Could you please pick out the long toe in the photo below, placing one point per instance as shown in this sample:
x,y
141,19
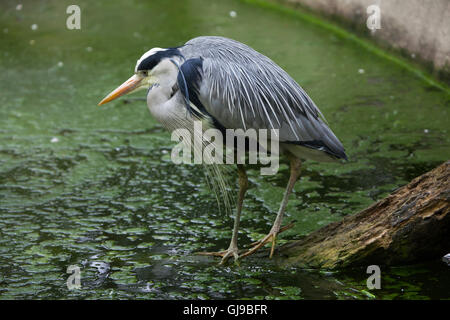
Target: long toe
x,y
228,255
272,236
282,229
214,254
259,244
225,254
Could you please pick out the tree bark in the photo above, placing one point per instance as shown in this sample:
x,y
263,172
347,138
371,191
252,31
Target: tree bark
x,y
412,224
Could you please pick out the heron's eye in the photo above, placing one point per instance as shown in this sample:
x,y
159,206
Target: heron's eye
x,y
145,73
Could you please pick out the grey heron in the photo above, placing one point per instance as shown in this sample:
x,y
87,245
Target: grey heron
x,y
229,85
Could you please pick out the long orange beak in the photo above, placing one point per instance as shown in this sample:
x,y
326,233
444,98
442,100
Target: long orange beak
x,y
126,87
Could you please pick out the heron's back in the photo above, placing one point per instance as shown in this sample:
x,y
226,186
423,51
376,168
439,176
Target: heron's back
x,y
241,88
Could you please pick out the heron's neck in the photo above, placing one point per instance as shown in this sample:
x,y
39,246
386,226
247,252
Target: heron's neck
x,y
161,100
161,92
158,95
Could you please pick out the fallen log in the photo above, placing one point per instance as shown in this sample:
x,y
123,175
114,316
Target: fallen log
x,y
412,224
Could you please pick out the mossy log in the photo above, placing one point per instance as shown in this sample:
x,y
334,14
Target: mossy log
x,y
412,224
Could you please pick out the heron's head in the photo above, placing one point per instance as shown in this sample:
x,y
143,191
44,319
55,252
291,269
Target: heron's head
x,y
152,68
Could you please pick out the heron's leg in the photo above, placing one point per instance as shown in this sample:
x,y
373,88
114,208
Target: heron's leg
x,y
233,248
243,186
295,166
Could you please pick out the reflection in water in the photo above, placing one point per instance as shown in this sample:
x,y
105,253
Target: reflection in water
x,y
106,197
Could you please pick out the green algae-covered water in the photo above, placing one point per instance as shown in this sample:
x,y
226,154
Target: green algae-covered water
x,y
94,187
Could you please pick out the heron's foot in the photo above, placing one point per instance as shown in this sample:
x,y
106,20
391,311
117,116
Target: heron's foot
x,y
232,251
272,236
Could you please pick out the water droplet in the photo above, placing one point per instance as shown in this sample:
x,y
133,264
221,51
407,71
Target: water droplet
x,y
426,131
361,71
60,64
54,140
19,7
34,27
89,49
233,14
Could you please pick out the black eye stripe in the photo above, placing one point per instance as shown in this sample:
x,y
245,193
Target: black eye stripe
x,y
151,61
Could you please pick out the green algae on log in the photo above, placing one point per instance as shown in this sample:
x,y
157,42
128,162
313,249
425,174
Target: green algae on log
x,y
412,224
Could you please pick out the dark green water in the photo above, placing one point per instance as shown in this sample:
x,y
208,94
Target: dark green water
x,y
105,196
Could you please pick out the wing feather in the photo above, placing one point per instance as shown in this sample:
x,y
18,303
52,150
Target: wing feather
x,y
241,88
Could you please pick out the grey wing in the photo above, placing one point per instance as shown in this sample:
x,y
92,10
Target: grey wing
x,y
241,88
